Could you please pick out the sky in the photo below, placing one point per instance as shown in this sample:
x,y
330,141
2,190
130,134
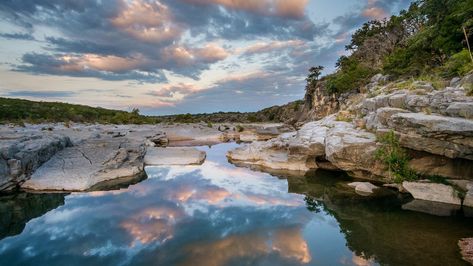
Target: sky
x,y
174,56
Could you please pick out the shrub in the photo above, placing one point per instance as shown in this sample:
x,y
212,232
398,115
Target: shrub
x,y
395,158
458,64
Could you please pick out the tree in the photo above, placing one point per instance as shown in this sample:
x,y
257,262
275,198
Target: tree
x,y
314,74
135,111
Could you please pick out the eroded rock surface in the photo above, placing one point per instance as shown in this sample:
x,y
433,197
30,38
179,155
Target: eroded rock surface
x,y
21,155
82,166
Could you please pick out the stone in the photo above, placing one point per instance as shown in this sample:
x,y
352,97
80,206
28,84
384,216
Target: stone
x,y
159,140
461,109
455,82
21,155
432,192
468,200
83,166
446,136
295,151
432,207
398,100
466,249
353,150
174,156
363,188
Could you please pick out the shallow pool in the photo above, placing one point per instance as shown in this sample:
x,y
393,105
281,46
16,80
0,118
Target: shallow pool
x,y
218,214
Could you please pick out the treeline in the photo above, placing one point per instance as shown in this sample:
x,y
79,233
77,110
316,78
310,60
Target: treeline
x,y
24,111
428,39
282,113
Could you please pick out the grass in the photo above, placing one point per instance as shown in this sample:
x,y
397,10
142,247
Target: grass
x,y
395,158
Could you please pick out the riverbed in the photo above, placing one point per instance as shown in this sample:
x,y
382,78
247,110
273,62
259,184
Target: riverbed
x,y
220,214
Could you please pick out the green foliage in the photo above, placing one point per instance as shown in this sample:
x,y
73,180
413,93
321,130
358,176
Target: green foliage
x,y
395,158
184,118
351,75
426,38
314,74
209,125
239,128
458,64
20,111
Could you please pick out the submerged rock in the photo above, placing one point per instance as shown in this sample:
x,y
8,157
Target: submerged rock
x,y
81,167
432,192
466,249
174,156
431,207
363,188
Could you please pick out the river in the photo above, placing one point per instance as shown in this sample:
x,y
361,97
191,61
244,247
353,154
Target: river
x,y
219,214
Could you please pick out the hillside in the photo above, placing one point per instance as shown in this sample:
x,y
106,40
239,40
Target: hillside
x,y
24,111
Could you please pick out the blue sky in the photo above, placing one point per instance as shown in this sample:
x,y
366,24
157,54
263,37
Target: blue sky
x,y
174,56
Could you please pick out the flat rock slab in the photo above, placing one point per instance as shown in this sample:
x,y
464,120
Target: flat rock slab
x,y
174,156
80,167
432,192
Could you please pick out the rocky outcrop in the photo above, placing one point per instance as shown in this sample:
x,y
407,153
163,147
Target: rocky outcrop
x,y
295,151
327,144
433,192
21,155
446,136
174,156
80,167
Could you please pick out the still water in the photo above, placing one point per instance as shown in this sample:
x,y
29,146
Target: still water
x,y
218,214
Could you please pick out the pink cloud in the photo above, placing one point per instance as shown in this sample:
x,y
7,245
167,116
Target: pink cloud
x,y
282,8
264,47
148,21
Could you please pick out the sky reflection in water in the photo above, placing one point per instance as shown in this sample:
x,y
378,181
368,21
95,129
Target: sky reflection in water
x,y
218,214
214,214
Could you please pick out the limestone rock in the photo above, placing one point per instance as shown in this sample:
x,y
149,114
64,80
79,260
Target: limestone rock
x,y
363,188
295,151
446,136
21,155
461,109
352,150
432,192
466,249
468,201
174,156
432,207
81,167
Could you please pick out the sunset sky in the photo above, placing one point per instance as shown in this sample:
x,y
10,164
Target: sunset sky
x,y
174,56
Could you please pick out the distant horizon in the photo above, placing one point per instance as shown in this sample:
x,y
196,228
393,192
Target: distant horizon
x,y
166,57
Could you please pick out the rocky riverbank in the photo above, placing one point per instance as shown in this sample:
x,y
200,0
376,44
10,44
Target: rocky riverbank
x,y
78,157
433,125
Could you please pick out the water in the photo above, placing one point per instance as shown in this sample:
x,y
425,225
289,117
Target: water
x,y
218,214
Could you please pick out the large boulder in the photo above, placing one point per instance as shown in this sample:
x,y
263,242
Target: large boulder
x,y
21,155
429,191
353,150
85,165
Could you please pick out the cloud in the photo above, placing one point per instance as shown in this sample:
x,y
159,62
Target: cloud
x,y
17,36
293,9
40,94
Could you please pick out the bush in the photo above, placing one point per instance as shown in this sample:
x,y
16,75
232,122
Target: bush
x,y
395,158
458,65
351,76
